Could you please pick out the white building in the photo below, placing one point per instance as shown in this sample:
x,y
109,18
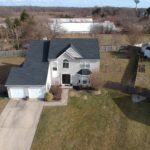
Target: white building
x,y
79,25
59,61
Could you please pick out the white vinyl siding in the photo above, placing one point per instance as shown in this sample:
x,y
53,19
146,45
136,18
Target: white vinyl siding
x,y
74,66
17,93
33,92
36,92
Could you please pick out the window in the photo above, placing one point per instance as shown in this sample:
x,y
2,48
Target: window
x,y
85,65
54,68
84,81
65,63
54,65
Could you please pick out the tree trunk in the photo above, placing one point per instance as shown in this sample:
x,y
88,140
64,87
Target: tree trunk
x,y
130,73
17,38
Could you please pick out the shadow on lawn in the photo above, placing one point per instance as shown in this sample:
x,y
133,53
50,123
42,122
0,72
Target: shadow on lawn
x,y
136,111
4,72
121,55
127,89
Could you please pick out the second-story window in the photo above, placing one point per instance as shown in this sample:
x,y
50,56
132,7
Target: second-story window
x,y
65,63
54,66
85,65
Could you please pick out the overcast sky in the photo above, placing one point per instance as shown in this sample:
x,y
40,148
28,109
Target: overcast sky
x,y
75,3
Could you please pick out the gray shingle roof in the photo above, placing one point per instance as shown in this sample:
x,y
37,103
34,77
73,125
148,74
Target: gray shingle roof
x,y
88,48
35,68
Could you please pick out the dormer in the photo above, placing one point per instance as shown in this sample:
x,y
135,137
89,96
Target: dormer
x,y
73,52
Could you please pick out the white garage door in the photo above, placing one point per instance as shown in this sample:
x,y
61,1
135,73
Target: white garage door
x,y
17,93
36,92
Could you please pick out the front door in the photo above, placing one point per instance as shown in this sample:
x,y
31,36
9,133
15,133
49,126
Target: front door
x,y
66,79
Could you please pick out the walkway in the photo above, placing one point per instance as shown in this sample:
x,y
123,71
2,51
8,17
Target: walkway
x,y
62,102
19,120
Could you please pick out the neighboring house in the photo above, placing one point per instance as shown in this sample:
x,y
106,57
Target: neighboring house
x,y
145,49
68,62
80,25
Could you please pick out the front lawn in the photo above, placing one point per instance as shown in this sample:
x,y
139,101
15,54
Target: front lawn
x,y
108,122
3,102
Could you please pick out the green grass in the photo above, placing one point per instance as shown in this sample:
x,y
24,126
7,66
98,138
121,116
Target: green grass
x,y
3,102
113,67
108,122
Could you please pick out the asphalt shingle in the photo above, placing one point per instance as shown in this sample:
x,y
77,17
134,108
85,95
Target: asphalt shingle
x,y
88,48
35,68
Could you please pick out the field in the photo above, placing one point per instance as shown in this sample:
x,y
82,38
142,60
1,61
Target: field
x,y
107,122
108,39
5,65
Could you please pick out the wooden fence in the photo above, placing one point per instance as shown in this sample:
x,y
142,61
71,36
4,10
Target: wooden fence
x,y
109,48
11,53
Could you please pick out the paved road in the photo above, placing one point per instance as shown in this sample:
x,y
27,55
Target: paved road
x,y
18,123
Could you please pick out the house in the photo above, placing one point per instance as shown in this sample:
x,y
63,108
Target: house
x,y
68,62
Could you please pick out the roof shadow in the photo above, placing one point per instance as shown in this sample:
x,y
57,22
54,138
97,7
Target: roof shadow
x,y
45,51
4,71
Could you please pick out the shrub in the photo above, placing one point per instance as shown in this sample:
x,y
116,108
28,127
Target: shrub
x,y
95,80
56,91
48,97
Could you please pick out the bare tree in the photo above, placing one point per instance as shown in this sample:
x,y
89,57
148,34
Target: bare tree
x,y
55,28
14,32
134,34
95,80
36,28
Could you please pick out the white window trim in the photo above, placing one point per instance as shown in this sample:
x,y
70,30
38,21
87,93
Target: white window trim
x,y
56,65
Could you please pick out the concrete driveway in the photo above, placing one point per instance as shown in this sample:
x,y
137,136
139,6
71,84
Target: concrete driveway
x,y
18,123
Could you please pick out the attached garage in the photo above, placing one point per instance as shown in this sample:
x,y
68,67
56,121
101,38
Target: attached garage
x,y
36,92
22,92
17,92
